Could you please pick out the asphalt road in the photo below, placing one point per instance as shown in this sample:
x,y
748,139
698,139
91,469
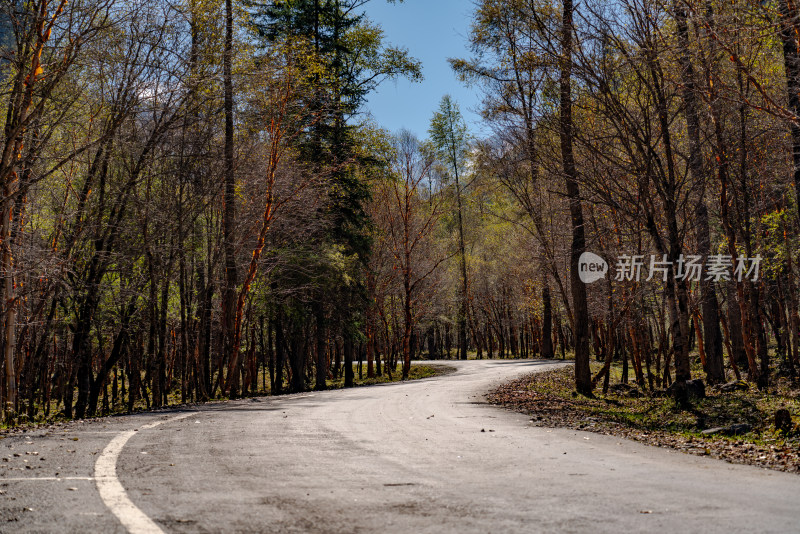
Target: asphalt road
x,y
423,456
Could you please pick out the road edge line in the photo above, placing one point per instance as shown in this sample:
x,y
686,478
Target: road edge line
x,y
112,492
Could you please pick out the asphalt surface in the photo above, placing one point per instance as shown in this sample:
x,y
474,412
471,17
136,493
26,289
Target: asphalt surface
x,y
423,456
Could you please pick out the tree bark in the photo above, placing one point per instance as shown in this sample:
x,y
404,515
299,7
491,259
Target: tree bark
x,y
583,378
462,252
348,361
229,204
547,322
788,15
322,356
279,351
712,335
10,304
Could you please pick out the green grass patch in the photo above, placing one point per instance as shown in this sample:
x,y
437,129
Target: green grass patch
x,y
417,372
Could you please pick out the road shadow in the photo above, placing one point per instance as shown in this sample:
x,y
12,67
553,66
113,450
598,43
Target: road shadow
x,y
526,363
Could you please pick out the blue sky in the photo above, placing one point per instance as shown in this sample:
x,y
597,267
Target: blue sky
x,y
432,31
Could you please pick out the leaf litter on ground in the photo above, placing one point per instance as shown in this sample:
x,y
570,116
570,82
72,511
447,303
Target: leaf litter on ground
x,y
549,399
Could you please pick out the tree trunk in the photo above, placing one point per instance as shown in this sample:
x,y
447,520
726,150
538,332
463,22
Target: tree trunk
x,y
407,316
791,61
279,351
322,356
547,322
10,305
297,357
348,361
229,204
715,370
583,378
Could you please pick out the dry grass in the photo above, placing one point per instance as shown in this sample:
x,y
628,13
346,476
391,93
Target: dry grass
x,y
656,419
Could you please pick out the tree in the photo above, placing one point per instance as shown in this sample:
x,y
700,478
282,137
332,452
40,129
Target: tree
x,y
407,224
229,304
711,329
46,37
281,112
512,64
583,379
448,133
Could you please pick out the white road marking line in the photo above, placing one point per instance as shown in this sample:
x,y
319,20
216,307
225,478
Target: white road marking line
x,y
111,491
26,479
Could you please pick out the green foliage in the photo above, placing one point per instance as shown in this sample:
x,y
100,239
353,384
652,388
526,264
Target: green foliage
x,y
357,61
780,243
449,135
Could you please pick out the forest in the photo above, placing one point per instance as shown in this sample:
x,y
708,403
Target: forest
x,y
196,204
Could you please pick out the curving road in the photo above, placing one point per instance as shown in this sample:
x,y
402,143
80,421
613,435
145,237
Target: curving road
x,y
423,456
